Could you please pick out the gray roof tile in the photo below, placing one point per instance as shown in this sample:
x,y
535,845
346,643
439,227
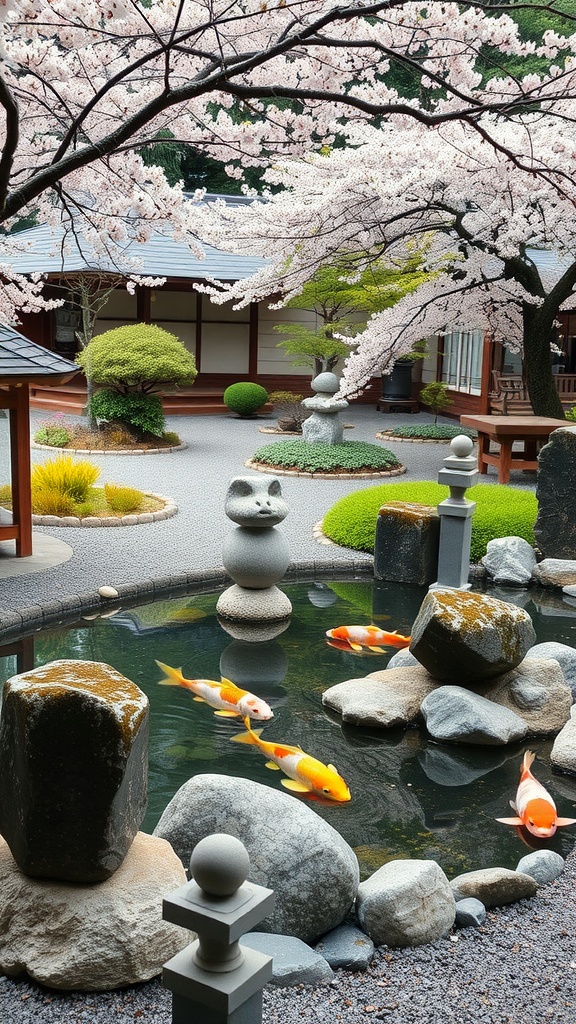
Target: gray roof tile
x,y
20,357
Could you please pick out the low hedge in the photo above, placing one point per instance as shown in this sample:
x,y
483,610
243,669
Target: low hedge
x,y
500,512
349,456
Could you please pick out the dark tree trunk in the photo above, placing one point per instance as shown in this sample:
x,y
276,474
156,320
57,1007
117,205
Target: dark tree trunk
x,y
538,325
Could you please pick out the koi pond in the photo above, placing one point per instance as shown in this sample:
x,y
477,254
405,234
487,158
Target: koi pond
x,y
411,797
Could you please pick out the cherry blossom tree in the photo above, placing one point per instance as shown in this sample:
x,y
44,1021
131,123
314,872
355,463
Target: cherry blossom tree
x,y
86,84
397,184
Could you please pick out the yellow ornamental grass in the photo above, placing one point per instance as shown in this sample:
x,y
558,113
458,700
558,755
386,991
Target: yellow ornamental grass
x,y
122,499
65,476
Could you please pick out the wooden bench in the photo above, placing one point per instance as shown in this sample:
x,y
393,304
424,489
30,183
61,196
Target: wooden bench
x,y
509,394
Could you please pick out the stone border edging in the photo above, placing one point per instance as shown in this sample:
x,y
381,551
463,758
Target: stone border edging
x,y
68,609
109,451
383,436
134,519
260,467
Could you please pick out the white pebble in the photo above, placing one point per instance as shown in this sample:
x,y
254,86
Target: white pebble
x,y
107,592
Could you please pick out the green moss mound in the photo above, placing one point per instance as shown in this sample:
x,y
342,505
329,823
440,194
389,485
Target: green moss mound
x,y
500,512
348,457
432,431
245,398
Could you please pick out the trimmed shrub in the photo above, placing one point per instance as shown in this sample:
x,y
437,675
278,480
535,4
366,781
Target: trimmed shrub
x,y
65,476
122,499
349,456
143,413
500,512
245,398
137,357
431,431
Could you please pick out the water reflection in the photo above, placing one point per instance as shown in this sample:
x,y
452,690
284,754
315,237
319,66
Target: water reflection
x,y
410,797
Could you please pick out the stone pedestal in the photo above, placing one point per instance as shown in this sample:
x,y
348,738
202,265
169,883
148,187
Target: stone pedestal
x,y
456,513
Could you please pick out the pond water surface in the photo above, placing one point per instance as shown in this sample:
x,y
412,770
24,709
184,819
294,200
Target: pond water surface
x,y
410,797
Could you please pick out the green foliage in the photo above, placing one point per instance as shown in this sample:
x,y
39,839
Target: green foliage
x,y
65,476
435,394
171,437
433,431
46,501
289,410
349,456
53,433
245,398
138,357
122,499
570,414
143,413
500,512
284,398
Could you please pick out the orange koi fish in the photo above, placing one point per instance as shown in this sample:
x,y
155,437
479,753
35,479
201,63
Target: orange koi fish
x,y
229,699
534,806
371,637
305,773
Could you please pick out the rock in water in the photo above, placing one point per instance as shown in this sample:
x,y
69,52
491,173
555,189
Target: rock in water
x,y
509,561
406,903
555,528
313,871
494,887
91,937
467,638
73,764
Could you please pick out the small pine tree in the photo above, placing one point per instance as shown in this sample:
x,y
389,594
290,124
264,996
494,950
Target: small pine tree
x,y
436,396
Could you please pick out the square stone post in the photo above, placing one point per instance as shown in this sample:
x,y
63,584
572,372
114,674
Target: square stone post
x,y
456,513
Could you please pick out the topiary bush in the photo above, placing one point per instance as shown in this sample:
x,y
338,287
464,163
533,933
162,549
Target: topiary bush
x,y
349,456
142,413
245,398
137,357
500,512
430,431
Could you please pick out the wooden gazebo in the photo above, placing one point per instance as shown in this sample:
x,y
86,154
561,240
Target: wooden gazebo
x,y
23,363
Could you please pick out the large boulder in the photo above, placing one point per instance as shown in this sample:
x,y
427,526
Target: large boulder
x,y
459,636
74,766
384,699
509,561
406,903
537,692
563,654
91,937
312,870
563,755
455,715
406,543
555,527
494,887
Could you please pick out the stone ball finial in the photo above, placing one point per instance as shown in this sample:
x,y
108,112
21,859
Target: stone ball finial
x,y
461,446
326,383
219,864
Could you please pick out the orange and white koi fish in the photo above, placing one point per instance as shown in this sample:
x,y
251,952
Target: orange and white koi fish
x,y
534,806
371,637
229,700
305,773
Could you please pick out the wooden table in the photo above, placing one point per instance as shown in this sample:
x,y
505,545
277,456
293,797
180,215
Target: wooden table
x,y
531,431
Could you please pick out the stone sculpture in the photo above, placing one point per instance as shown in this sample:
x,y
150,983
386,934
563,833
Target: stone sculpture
x,y
255,554
555,528
324,426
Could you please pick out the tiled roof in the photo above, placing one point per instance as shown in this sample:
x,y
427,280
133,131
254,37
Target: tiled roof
x,y
20,358
48,250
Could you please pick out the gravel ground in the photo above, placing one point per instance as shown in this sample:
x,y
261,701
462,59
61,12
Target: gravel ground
x,y
519,968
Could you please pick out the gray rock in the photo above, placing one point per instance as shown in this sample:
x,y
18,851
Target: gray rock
x,y
542,865
563,654
555,527
509,561
255,557
570,590
555,572
402,659
384,699
346,947
563,755
494,887
251,605
294,963
406,543
406,903
459,635
537,692
311,868
455,715
470,913
92,937
74,766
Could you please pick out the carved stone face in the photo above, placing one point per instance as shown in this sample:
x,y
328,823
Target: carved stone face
x,y
255,501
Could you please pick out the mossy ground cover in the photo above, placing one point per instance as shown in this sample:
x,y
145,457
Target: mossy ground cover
x,y
347,457
428,431
500,512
